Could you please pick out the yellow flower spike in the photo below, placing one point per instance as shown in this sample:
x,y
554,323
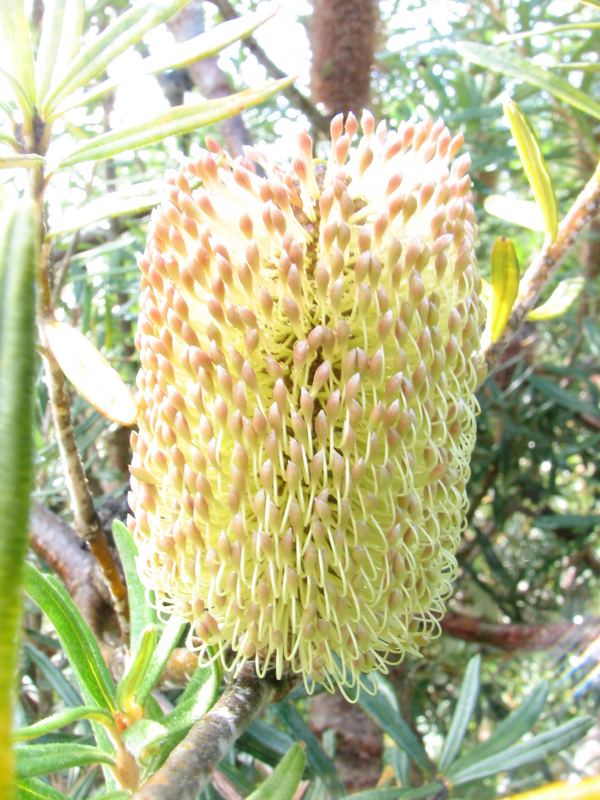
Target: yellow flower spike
x,y
587,789
310,344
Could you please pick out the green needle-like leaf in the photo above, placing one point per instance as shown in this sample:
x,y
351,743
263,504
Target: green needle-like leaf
x,y
75,635
177,120
510,730
60,38
61,719
465,704
540,746
42,759
507,63
534,165
284,780
141,611
18,263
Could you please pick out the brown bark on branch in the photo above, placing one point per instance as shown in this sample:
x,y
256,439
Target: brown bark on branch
x,y
189,767
583,211
515,637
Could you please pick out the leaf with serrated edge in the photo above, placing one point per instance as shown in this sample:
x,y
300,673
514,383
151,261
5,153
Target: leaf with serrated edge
x,y
284,780
560,301
514,66
534,165
90,373
177,120
505,285
178,55
465,704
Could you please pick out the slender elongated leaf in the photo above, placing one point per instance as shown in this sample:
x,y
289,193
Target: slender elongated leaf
x,y
177,120
548,31
90,372
55,678
383,707
424,792
179,55
265,742
42,759
71,38
465,705
505,285
318,760
16,53
18,160
18,262
284,780
562,396
540,746
127,29
509,730
508,63
50,44
534,165
127,693
62,719
141,612
560,301
36,789
75,635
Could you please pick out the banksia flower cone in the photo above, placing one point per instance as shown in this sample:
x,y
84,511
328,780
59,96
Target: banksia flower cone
x,y
310,346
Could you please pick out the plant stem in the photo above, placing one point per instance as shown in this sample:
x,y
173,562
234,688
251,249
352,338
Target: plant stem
x,y
582,213
188,769
87,521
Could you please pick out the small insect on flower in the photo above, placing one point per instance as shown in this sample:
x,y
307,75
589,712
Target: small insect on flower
x,y
310,347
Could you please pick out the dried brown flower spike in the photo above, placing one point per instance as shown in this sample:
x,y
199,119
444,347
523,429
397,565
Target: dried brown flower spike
x,y
310,350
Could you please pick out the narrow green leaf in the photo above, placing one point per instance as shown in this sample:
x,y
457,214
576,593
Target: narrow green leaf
x,y
168,641
127,29
560,301
179,55
18,263
508,731
61,719
42,759
75,635
60,34
318,761
548,31
36,789
284,780
266,743
55,678
514,66
505,285
563,397
533,164
425,792
177,120
578,523
198,698
383,707
141,612
130,200
16,54
17,160
127,699
540,746
465,705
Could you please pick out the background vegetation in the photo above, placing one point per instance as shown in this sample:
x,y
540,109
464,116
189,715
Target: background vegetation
x,y
527,598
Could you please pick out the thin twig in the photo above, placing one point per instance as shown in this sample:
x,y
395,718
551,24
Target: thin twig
x,y
188,769
318,121
545,264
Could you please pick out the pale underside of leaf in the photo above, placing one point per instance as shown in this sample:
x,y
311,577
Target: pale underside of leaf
x,y
90,373
524,213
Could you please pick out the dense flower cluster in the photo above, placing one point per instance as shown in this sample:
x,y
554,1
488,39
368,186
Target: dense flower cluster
x,y
310,346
